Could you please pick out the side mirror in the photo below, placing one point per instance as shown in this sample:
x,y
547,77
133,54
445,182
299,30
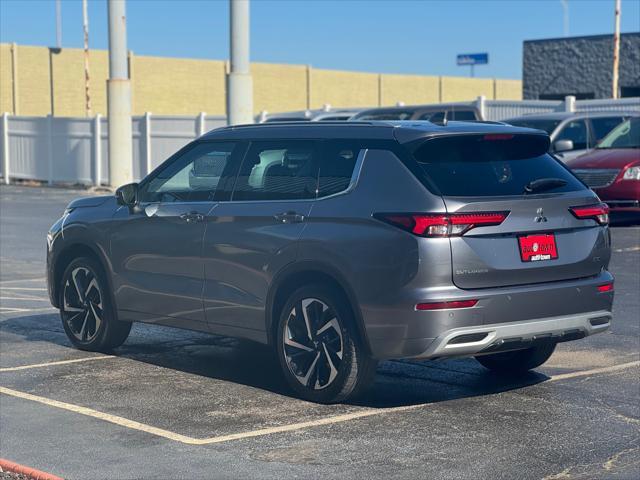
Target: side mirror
x,y
127,194
563,145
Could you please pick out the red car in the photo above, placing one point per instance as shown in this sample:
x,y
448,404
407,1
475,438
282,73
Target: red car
x,y
612,169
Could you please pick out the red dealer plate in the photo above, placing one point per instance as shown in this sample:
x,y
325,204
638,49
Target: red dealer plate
x,y
534,248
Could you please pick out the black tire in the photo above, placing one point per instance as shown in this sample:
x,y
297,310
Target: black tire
x,y
518,361
351,374
85,305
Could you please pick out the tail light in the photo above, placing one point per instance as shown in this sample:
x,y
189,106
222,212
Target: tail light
x,y
445,305
598,212
607,287
441,224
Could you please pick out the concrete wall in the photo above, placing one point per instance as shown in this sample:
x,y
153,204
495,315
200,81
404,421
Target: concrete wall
x,y
177,86
580,66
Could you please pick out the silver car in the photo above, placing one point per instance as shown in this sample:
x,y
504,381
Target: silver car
x,y
572,134
342,244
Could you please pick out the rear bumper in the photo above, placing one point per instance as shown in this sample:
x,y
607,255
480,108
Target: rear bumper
x,y
507,336
397,330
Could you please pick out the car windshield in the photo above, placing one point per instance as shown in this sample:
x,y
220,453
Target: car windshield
x,y
625,135
547,125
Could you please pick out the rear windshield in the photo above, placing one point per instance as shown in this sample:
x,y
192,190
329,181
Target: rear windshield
x,y
491,165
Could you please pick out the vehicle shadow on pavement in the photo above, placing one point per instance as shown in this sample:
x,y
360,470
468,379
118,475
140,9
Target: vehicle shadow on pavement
x,y
397,383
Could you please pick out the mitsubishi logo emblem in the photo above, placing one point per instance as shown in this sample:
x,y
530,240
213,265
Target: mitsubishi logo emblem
x,y
540,216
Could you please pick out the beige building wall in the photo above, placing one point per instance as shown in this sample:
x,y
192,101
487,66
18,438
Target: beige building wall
x,y
34,86
6,81
508,89
409,89
279,88
343,89
176,86
459,89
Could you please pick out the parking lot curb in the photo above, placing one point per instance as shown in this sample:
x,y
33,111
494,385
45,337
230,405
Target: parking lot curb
x,y
32,473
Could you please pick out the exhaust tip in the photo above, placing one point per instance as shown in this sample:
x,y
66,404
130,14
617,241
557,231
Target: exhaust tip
x,y
468,338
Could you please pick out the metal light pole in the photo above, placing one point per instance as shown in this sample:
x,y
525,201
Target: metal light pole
x,y
240,86
119,98
616,51
58,24
565,16
85,29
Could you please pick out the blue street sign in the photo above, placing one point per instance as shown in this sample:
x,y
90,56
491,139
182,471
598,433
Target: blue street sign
x,y
473,59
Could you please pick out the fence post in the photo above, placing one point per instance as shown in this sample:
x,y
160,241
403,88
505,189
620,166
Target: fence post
x,y
97,150
481,105
202,124
5,147
50,149
569,103
147,141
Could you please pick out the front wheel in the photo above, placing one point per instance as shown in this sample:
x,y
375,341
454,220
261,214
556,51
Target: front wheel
x,y
320,355
518,361
86,309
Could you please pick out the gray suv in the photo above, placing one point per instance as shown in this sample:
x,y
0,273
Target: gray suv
x,y
342,244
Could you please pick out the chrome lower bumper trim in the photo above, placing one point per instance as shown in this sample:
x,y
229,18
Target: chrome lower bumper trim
x,y
452,343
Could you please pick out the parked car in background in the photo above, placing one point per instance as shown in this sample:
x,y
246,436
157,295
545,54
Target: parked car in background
x,y
343,243
612,170
326,114
440,113
572,134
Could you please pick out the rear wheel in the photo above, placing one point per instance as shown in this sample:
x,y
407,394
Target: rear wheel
x,y
518,361
320,355
87,313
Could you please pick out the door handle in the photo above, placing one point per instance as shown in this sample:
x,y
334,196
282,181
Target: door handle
x,y
192,217
289,217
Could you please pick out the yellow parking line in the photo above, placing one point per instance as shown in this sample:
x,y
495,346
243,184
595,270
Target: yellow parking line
x,y
586,373
369,412
89,412
124,422
50,364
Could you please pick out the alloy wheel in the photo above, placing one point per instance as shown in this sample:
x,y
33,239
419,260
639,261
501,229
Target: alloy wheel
x,y
313,343
82,308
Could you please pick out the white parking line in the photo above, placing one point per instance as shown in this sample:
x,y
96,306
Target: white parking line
x,y
22,310
29,298
369,412
24,288
42,279
50,364
586,373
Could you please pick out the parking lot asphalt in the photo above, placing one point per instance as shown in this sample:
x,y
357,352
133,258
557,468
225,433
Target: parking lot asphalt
x,y
179,404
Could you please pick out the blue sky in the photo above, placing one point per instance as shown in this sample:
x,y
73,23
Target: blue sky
x,y
387,36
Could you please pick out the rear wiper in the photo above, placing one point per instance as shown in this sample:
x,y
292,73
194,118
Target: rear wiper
x,y
542,184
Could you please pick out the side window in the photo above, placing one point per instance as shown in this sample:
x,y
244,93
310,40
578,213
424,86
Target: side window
x,y
602,126
336,167
278,170
433,116
463,115
576,131
193,176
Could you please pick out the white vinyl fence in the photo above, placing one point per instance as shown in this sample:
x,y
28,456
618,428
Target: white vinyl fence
x,y
75,150
497,110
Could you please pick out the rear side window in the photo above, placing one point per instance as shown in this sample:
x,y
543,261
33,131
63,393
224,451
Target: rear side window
x,y
336,166
278,170
491,165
